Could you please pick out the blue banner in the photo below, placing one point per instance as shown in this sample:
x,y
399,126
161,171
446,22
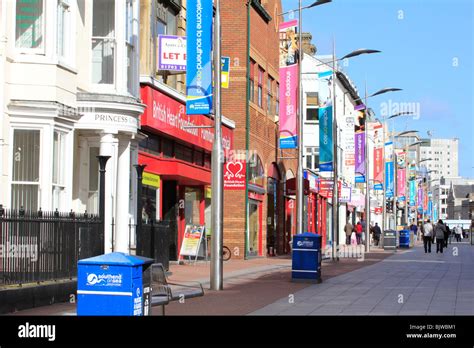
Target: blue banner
x,y
198,52
389,179
325,140
412,192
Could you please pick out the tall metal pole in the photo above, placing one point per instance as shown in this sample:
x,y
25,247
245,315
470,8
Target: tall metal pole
x,y
384,188
217,163
367,167
102,163
300,184
335,197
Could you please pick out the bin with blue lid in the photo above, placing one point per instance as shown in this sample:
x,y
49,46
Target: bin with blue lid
x,y
404,239
114,284
306,258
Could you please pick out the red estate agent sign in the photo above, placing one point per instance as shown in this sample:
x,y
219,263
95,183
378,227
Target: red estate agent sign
x,y
234,175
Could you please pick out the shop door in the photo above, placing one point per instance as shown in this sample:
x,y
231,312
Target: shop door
x,y
255,228
170,214
271,216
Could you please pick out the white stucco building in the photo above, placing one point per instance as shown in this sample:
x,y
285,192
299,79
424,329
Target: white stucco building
x,y
69,91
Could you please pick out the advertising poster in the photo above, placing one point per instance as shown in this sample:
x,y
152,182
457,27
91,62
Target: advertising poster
x,y
172,52
198,52
225,72
192,240
359,157
288,84
349,148
389,180
326,149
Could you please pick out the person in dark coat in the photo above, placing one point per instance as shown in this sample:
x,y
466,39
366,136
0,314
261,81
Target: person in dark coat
x,y
439,231
446,236
377,233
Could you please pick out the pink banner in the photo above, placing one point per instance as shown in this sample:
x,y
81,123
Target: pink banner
x,y
288,84
401,182
378,166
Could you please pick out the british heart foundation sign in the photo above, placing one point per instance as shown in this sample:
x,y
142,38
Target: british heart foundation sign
x,y
234,175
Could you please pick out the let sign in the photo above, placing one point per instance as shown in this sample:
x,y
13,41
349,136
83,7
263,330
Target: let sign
x,y
172,53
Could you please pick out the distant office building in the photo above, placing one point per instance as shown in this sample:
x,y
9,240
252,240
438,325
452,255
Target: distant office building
x,y
441,157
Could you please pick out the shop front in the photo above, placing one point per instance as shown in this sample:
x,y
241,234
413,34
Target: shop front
x,y
177,149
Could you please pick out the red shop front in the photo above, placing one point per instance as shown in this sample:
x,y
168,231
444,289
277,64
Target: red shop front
x,y
180,160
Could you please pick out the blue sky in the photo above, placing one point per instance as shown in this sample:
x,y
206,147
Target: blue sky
x,y
427,49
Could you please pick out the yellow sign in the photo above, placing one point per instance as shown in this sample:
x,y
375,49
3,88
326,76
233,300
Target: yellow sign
x,y
208,192
151,179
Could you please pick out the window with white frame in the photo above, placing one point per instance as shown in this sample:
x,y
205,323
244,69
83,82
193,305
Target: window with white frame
x,y
312,107
59,146
103,42
312,158
130,47
63,29
29,25
25,169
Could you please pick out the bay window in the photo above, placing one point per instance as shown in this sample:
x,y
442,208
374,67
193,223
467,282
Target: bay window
x,y
103,42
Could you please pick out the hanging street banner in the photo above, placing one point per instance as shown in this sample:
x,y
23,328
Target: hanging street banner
x,y
359,157
225,72
412,192
401,159
349,148
401,183
288,84
326,150
234,175
378,156
198,52
172,52
389,173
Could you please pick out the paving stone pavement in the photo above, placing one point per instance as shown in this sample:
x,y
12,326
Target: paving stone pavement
x,y
410,283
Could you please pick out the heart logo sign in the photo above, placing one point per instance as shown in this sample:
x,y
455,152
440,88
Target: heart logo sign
x,y
234,175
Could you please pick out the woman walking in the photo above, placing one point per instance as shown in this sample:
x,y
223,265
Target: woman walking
x,y
439,231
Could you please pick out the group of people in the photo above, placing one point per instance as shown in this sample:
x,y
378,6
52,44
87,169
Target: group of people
x,y
355,235
441,233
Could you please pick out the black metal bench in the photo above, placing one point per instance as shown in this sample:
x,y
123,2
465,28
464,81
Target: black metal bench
x,y
163,291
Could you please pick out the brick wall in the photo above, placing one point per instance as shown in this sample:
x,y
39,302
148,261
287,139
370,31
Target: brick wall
x,y
263,126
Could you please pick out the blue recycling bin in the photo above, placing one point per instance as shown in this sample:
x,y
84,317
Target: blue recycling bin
x,y
404,239
306,258
114,284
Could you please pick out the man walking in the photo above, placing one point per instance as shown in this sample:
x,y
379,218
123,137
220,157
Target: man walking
x,y
458,233
377,233
348,230
359,232
427,236
414,229
446,236
439,232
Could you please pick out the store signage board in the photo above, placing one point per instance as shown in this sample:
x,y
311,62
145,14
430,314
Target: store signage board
x,y
192,239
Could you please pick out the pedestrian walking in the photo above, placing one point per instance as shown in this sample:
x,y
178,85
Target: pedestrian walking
x,y
427,236
348,228
359,232
414,229
377,233
446,236
439,232
458,233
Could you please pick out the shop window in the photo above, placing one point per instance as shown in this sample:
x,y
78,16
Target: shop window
x,y
183,153
150,204
151,144
103,41
167,148
256,171
192,200
207,160
29,26
198,158
26,162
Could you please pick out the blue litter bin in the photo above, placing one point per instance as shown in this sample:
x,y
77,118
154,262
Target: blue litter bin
x,y
114,284
404,239
306,258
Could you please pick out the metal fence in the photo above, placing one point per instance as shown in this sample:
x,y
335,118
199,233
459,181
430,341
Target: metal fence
x,y
153,241
41,246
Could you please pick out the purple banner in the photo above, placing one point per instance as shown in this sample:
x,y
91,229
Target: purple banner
x,y
359,157
420,197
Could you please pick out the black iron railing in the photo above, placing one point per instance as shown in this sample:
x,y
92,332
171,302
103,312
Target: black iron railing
x,y
42,246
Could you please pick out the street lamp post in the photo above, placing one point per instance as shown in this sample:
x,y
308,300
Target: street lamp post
x,y
217,183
